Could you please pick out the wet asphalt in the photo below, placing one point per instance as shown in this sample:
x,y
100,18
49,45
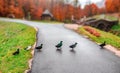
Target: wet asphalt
x,y
87,57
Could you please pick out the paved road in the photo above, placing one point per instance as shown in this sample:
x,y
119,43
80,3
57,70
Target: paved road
x,y
87,57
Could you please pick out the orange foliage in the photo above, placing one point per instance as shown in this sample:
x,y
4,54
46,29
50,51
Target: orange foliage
x,y
61,12
88,10
92,31
109,5
32,9
69,11
58,13
112,6
18,13
91,9
94,9
37,12
102,10
77,13
1,7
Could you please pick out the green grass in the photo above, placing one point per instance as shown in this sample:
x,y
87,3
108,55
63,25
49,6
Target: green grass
x,y
13,36
105,36
116,27
106,17
111,17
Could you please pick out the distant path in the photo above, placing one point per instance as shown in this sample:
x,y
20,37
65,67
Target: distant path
x,y
87,58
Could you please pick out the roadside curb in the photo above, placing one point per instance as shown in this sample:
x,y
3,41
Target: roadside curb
x,y
113,49
32,52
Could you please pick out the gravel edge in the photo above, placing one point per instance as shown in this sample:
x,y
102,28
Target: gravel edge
x,y
32,52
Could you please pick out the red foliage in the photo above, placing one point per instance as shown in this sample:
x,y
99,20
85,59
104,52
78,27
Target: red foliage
x,y
87,10
77,13
90,10
69,11
1,8
36,14
92,31
94,9
61,11
18,12
102,10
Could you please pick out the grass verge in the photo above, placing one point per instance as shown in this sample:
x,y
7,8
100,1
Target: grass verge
x,y
105,36
105,16
46,21
13,36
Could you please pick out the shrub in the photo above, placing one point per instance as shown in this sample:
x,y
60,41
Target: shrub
x,y
92,31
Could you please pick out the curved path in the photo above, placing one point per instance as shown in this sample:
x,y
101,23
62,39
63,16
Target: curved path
x,y
87,57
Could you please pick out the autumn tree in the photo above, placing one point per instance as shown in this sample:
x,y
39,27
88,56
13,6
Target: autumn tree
x,y
2,8
61,9
69,11
77,10
36,13
109,6
59,12
112,6
102,10
77,13
87,10
94,9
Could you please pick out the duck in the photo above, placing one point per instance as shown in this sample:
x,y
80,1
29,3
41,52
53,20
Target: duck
x,y
59,45
16,52
73,46
103,44
39,47
28,48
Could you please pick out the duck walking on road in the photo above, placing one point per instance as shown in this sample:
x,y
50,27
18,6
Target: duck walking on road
x,y
59,45
73,46
39,47
103,44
